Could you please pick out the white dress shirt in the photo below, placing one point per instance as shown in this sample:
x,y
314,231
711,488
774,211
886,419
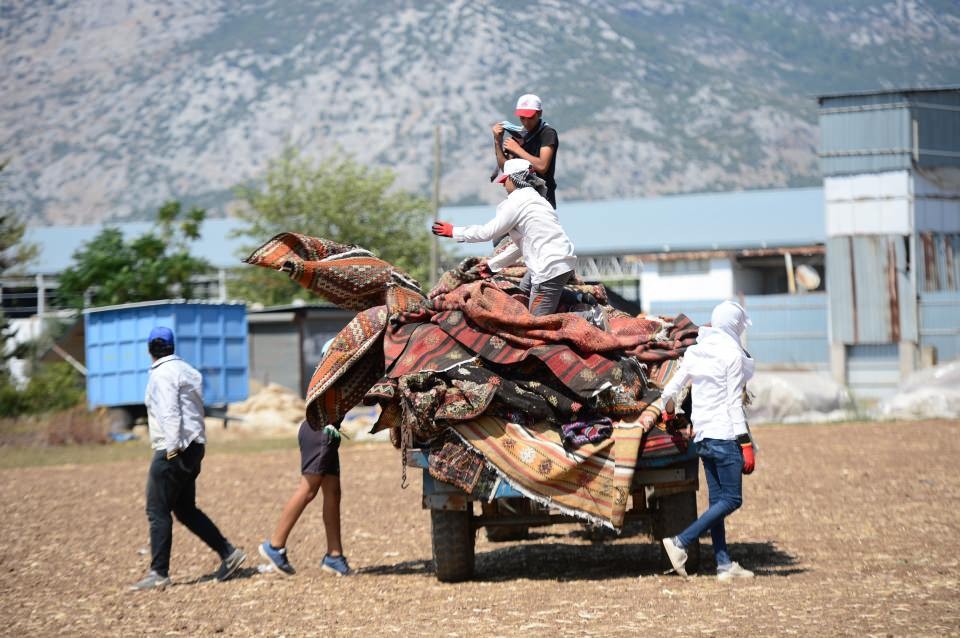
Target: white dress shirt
x,y
537,236
718,368
174,400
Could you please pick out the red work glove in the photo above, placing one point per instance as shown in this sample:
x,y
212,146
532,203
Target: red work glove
x,y
746,446
443,229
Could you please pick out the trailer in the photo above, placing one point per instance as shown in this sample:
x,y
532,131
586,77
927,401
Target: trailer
x,y
663,494
212,337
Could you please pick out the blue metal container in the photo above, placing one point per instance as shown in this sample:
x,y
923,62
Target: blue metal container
x,y
212,337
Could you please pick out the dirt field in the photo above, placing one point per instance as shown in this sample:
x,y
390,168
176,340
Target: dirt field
x,y
853,530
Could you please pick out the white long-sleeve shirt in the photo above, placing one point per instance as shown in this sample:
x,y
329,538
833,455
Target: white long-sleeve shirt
x,y
718,368
174,400
537,236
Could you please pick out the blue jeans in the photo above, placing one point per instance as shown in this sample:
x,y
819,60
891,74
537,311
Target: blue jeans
x,y
722,465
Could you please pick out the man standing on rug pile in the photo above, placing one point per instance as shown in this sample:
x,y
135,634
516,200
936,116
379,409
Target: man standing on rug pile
x,y
538,145
718,367
537,236
174,401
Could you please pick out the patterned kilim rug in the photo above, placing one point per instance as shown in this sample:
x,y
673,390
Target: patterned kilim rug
x,y
353,363
348,276
592,482
489,310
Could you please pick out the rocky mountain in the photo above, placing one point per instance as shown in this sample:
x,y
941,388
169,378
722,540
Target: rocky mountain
x,y
110,107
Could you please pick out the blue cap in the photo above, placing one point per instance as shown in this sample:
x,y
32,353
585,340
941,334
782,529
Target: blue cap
x,y
162,333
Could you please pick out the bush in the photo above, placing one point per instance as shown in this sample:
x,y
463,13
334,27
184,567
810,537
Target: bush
x,y
11,400
77,425
53,386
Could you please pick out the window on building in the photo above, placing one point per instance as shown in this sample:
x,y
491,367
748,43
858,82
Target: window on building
x,y
683,267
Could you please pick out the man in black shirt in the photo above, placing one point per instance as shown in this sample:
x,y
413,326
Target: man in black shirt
x,y
538,145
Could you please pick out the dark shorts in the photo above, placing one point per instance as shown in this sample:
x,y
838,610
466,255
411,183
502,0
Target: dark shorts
x,y
319,452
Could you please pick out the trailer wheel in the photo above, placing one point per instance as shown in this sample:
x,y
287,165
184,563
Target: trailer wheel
x,y
453,543
675,513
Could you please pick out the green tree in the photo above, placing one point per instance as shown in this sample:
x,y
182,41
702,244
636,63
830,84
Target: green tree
x,y
156,265
14,252
336,199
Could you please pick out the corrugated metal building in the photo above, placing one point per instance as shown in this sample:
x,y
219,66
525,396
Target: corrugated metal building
x,y
686,248
891,166
286,342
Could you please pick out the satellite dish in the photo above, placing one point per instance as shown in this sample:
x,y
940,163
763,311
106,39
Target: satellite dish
x,y
807,277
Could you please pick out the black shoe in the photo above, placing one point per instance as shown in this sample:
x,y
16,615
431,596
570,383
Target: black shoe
x,y
230,564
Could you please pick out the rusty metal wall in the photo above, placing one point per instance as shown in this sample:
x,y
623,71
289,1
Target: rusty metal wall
x,y
872,300
939,263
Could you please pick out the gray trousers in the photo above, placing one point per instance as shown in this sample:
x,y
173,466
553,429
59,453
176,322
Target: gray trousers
x,y
545,296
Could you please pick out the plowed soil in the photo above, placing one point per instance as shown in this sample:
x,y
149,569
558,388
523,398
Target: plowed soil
x,y
852,529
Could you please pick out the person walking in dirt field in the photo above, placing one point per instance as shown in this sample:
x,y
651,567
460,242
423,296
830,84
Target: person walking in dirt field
x,y
319,471
174,401
718,367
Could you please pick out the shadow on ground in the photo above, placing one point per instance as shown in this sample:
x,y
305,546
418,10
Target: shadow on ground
x,y
242,573
566,562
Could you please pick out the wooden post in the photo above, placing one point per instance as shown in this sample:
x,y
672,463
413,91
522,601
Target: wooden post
x,y
436,204
791,277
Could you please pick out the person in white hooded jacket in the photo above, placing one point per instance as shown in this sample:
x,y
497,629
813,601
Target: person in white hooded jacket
x,y
718,368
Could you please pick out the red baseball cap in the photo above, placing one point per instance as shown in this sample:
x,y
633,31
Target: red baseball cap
x,y
528,105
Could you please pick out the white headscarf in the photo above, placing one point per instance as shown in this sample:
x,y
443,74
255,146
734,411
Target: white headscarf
x,y
728,322
730,318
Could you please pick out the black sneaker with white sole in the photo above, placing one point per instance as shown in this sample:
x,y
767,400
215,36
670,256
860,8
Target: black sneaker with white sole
x,y
230,564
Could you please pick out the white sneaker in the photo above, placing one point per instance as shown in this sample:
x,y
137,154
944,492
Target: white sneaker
x,y
677,556
734,571
152,580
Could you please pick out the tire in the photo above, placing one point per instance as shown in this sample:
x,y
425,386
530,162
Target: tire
x,y
675,513
453,538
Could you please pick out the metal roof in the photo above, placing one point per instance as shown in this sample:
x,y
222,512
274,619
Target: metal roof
x,y
162,302
930,89
709,221
57,244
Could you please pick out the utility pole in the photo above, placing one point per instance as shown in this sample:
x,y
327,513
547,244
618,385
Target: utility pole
x,y
436,203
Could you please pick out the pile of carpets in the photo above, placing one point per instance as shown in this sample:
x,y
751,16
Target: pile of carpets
x,y
548,404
